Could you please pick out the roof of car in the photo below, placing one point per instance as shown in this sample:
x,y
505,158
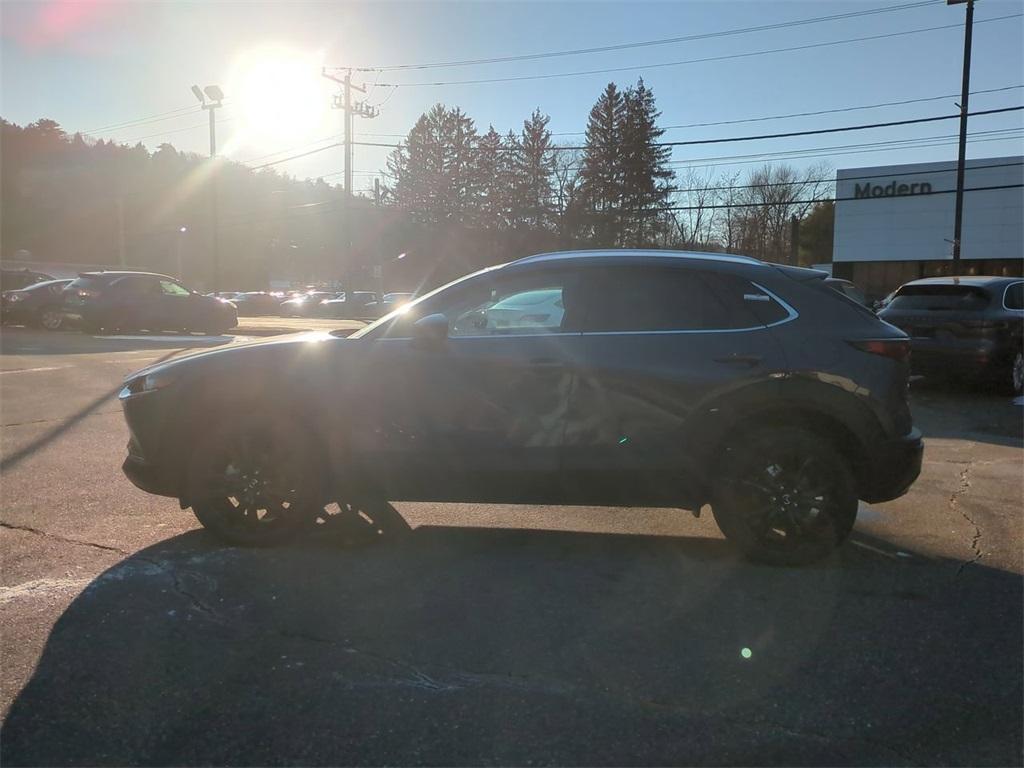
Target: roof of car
x,y
629,252
975,280
123,273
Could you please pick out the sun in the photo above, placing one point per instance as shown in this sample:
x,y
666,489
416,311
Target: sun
x,y
278,97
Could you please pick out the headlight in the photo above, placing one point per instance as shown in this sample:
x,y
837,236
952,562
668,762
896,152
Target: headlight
x,y
148,383
15,297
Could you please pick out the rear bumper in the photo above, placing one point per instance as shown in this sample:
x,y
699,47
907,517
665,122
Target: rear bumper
x,y
893,466
975,356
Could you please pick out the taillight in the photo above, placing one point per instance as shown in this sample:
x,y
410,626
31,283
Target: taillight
x,y
895,349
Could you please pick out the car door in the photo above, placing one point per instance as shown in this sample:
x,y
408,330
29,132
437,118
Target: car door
x,y
478,415
658,342
175,307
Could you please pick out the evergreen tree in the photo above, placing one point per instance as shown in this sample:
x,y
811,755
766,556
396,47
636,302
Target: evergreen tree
x,y
533,165
646,176
433,172
601,173
493,181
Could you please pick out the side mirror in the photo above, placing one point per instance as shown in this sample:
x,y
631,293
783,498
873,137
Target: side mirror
x,y
431,330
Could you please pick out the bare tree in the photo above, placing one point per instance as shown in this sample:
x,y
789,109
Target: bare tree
x,y
696,224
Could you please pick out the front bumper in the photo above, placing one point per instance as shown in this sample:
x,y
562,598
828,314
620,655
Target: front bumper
x,y
893,467
147,477
146,465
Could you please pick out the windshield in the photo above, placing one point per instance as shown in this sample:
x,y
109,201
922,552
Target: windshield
x,y
413,307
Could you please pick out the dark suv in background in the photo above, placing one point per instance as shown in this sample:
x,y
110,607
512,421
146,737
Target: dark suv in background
x,y
135,301
966,327
651,378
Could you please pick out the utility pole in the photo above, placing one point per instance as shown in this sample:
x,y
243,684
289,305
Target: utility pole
x,y
343,102
794,240
965,88
120,231
216,96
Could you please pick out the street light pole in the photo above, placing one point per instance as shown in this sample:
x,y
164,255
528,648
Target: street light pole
x,y
216,96
965,88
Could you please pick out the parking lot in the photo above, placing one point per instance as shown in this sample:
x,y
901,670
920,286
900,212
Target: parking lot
x,y
493,635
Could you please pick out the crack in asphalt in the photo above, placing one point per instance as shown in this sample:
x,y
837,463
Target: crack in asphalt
x,y
64,539
954,505
56,418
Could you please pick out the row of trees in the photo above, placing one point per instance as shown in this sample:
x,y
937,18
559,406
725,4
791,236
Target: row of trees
x,y
455,199
607,191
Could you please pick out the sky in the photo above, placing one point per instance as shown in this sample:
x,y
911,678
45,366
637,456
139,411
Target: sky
x,y
95,65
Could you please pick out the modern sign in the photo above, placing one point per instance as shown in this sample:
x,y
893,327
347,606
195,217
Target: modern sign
x,y
892,189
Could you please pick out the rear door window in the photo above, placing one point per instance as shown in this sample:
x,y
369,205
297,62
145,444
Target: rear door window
x,y
940,298
653,299
170,288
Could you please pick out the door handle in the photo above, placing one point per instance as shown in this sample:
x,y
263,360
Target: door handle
x,y
747,360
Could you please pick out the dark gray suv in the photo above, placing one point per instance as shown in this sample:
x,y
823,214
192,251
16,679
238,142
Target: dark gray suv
x,y
966,327
646,378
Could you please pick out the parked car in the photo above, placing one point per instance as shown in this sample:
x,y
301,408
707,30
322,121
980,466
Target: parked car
x,y
134,301
848,289
964,326
523,310
256,303
349,305
669,379
304,305
16,279
38,304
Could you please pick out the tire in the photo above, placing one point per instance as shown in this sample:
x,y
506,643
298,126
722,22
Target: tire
x,y
51,318
785,496
255,482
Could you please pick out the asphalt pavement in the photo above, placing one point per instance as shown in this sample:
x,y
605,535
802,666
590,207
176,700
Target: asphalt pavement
x,y
478,634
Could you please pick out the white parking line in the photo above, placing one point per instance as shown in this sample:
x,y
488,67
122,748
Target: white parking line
x,y
192,339
35,370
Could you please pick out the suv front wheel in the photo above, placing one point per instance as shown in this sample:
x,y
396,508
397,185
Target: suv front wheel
x,y
785,496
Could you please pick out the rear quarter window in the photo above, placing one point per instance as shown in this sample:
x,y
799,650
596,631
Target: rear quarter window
x,y
1013,298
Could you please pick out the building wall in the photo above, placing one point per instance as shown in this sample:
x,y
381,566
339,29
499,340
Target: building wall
x,y
895,223
915,226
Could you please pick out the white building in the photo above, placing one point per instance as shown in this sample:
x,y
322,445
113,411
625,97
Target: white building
x,y
895,223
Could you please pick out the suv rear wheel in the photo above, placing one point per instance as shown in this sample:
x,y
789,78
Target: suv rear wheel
x,y
785,496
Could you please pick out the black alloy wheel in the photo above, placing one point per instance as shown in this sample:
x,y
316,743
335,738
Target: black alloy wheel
x,y
785,497
254,484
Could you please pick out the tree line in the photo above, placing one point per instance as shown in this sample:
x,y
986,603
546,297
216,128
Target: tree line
x,y
455,198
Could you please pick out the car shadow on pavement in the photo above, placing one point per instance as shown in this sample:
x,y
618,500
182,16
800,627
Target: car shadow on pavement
x,y
511,646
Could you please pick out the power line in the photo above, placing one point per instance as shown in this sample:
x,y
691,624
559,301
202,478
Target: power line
x,y
640,44
772,117
746,54
151,118
175,130
296,157
845,178
734,160
731,139
898,143
822,200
